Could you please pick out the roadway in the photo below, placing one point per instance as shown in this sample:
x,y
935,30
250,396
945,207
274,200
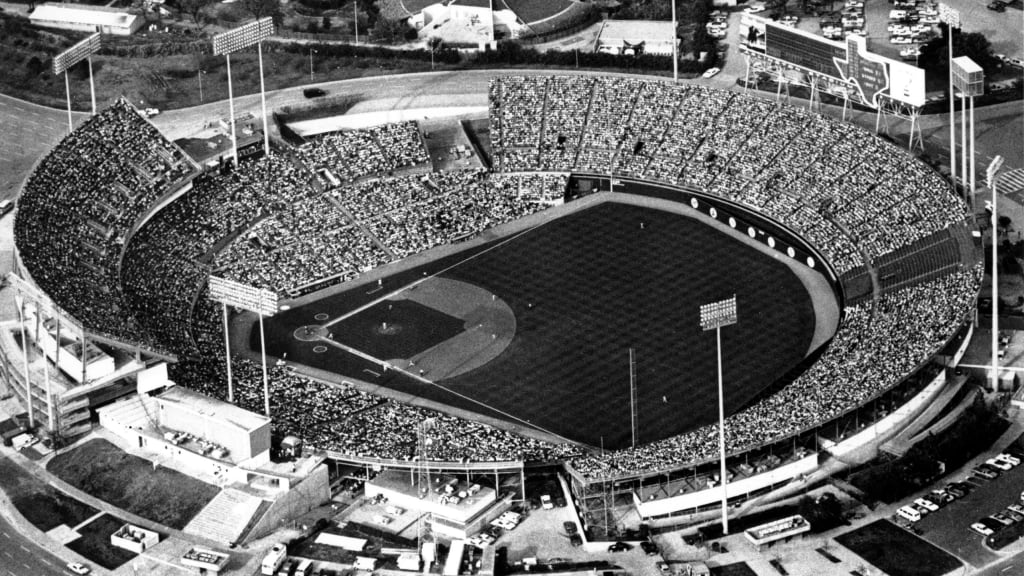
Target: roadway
x,y
23,557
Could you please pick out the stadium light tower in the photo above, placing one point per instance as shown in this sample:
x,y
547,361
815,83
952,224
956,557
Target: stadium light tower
x,y
991,179
969,79
232,41
263,303
68,58
714,316
951,17
675,44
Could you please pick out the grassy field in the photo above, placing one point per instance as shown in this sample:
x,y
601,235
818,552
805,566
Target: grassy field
x,y
129,482
896,551
40,504
585,289
534,10
95,543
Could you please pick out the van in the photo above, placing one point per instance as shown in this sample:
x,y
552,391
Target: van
x,y
286,568
909,513
305,567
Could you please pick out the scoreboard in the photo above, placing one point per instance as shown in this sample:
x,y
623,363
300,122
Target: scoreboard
x,y
871,76
808,52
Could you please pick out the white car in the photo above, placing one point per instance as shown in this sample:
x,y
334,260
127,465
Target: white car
x,y
1009,459
1000,464
77,568
982,529
753,9
926,504
711,72
546,503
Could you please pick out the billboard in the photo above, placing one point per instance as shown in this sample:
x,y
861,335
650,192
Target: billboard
x,y
870,75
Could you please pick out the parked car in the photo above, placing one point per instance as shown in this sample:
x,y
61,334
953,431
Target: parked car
x,y
982,529
1016,508
944,496
576,540
1008,458
649,548
711,72
545,502
926,504
955,490
314,92
996,463
997,6
1002,519
986,473
6,206
1013,515
570,527
620,547
78,568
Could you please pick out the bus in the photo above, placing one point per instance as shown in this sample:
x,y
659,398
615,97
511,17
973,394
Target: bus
x,y
273,560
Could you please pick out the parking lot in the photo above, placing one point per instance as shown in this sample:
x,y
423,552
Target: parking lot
x,y
949,527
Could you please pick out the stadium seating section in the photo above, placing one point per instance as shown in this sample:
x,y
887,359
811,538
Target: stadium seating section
x,y
341,205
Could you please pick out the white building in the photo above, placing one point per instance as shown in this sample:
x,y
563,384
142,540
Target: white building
x,y
465,21
624,36
83,18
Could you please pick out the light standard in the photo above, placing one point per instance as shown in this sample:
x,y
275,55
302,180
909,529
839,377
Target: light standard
x,y
311,52
991,177
714,316
199,75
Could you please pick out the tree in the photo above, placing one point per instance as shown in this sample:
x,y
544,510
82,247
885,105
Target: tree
x,y
261,8
388,30
934,56
194,8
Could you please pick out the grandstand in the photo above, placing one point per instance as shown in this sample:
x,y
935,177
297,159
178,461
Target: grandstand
x,y
141,230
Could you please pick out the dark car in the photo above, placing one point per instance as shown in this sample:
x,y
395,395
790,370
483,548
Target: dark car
x,y
619,547
576,540
570,527
314,92
997,6
649,548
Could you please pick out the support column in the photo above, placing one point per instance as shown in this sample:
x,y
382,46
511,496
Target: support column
x,y
263,99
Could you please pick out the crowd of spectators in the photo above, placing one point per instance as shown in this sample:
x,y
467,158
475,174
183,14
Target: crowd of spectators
x,y
352,154
80,203
336,236
340,418
167,262
853,193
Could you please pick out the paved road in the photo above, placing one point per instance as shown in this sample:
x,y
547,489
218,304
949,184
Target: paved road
x,y
29,130
22,557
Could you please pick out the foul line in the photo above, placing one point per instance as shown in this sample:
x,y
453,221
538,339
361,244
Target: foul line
x,y
412,285
423,380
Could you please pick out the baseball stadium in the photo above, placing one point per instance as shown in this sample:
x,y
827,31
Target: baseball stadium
x,y
542,312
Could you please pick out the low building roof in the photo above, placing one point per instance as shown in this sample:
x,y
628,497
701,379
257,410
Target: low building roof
x,y
212,408
79,14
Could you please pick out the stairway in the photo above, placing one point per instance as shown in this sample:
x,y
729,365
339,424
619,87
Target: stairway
x,y
225,517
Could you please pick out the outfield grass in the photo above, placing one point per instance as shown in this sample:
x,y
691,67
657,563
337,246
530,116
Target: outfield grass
x,y
585,289
897,552
43,506
162,495
95,543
